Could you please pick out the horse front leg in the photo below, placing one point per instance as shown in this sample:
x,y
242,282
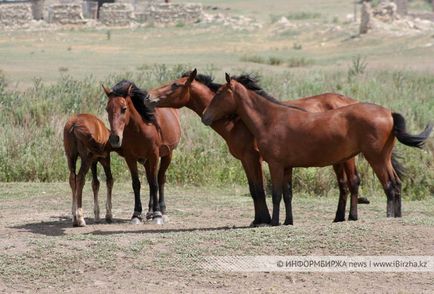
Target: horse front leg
x,y
95,189
253,169
109,182
164,165
152,176
277,180
137,215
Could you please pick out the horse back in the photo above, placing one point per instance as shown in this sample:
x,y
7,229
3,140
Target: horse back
x,y
322,102
86,130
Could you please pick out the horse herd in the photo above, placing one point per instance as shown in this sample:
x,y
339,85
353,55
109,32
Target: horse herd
x,y
327,129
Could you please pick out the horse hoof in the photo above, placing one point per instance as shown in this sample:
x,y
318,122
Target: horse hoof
x,y
158,221
149,215
288,223
275,224
363,200
109,220
97,220
135,221
352,218
338,220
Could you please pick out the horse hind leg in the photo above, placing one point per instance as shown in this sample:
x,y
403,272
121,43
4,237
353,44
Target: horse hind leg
x,y
81,178
343,192
384,171
287,197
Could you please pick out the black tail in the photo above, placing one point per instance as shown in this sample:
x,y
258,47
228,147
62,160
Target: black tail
x,y
397,166
404,137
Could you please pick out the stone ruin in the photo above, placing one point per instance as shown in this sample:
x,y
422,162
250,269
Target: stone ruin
x,y
392,16
78,12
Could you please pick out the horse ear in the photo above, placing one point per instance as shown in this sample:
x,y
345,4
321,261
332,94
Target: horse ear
x,y
106,90
130,91
228,78
191,77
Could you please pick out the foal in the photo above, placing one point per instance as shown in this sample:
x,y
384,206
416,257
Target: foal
x,y
85,136
288,138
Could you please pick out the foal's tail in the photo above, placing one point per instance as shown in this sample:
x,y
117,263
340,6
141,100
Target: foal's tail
x,y
406,138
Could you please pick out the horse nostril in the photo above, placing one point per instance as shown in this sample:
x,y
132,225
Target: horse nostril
x,y
114,139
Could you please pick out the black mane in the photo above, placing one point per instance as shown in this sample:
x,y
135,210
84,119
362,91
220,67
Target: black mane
x,y
206,80
251,82
138,98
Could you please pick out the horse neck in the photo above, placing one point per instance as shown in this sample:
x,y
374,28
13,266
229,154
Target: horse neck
x,y
135,118
255,111
200,97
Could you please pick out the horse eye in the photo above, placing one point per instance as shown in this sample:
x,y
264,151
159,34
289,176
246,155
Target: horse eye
x,y
175,86
123,109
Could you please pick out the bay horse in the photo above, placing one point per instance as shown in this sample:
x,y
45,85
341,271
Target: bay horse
x,y
196,91
289,137
144,136
86,136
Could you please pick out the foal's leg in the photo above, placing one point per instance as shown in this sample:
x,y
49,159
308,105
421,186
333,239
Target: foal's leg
x,y
253,169
164,164
150,213
81,179
277,180
137,215
109,182
72,183
343,192
287,196
353,184
95,189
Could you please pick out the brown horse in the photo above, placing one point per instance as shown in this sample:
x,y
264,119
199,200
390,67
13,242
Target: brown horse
x,y
145,137
85,136
196,91
288,137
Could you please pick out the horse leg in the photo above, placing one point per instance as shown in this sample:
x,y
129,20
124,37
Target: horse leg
x,y
353,180
137,215
253,169
109,182
397,187
287,197
95,189
343,192
277,179
152,175
383,170
150,212
81,179
72,183
164,164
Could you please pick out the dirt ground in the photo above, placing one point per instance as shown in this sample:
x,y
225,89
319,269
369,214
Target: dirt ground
x,y
41,252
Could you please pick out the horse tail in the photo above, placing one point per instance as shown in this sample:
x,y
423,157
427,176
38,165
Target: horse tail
x,y
405,138
70,144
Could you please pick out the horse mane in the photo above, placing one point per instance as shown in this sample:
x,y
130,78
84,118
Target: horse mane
x,y
206,80
138,98
251,82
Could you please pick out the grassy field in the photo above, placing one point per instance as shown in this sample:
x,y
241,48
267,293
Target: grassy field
x,y
46,76
40,251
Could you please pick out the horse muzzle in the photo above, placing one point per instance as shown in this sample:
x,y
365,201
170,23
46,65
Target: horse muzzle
x,y
115,141
207,120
